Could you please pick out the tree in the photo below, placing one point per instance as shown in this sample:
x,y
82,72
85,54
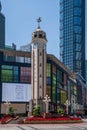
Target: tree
x,y
12,111
60,111
36,111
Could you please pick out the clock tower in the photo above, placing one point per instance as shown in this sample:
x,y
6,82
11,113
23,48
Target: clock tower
x,y
38,78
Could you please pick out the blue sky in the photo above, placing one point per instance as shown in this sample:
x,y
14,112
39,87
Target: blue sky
x,y
21,18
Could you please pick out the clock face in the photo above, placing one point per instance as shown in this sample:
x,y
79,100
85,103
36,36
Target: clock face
x,y
35,45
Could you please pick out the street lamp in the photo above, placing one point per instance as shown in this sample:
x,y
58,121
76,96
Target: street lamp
x,y
7,103
76,107
47,100
67,103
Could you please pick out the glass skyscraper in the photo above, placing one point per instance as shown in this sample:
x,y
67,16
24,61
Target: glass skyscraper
x,y
86,71
72,35
2,29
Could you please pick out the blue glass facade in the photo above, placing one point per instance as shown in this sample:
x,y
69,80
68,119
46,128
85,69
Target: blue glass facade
x,y
2,29
86,71
72,34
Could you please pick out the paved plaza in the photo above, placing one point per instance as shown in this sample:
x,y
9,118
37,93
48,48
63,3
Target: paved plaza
x,y
75,126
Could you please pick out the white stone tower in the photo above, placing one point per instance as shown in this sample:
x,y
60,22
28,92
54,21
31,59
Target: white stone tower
x,y
38,78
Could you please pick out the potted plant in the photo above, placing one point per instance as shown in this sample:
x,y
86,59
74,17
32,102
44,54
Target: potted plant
x,y
36,111
12,111
60,111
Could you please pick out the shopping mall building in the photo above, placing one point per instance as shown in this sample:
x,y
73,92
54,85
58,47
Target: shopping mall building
x,y
15,82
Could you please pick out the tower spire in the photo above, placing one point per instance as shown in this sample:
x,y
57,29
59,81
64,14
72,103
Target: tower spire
x,y
0,6
39,20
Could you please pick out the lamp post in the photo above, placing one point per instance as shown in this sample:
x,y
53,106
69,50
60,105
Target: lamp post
x,y
7,103
47,100
76,107
67,103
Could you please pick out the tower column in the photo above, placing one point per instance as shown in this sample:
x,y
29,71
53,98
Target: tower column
x,y
38,65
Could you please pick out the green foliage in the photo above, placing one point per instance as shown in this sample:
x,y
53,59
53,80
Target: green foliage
x,y
36,111
60,111
11,111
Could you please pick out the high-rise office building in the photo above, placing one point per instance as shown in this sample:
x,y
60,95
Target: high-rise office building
x,y
26,47
72,35
86,71
2,29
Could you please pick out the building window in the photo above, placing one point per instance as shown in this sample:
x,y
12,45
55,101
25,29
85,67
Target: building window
x,y
54,88
48,70
48,80
77,21
9,73
77,11
15,74
25,74
77,2
35,35
54,69
40,53
60,76
40,65
48,91
40,86
40,36
40,76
